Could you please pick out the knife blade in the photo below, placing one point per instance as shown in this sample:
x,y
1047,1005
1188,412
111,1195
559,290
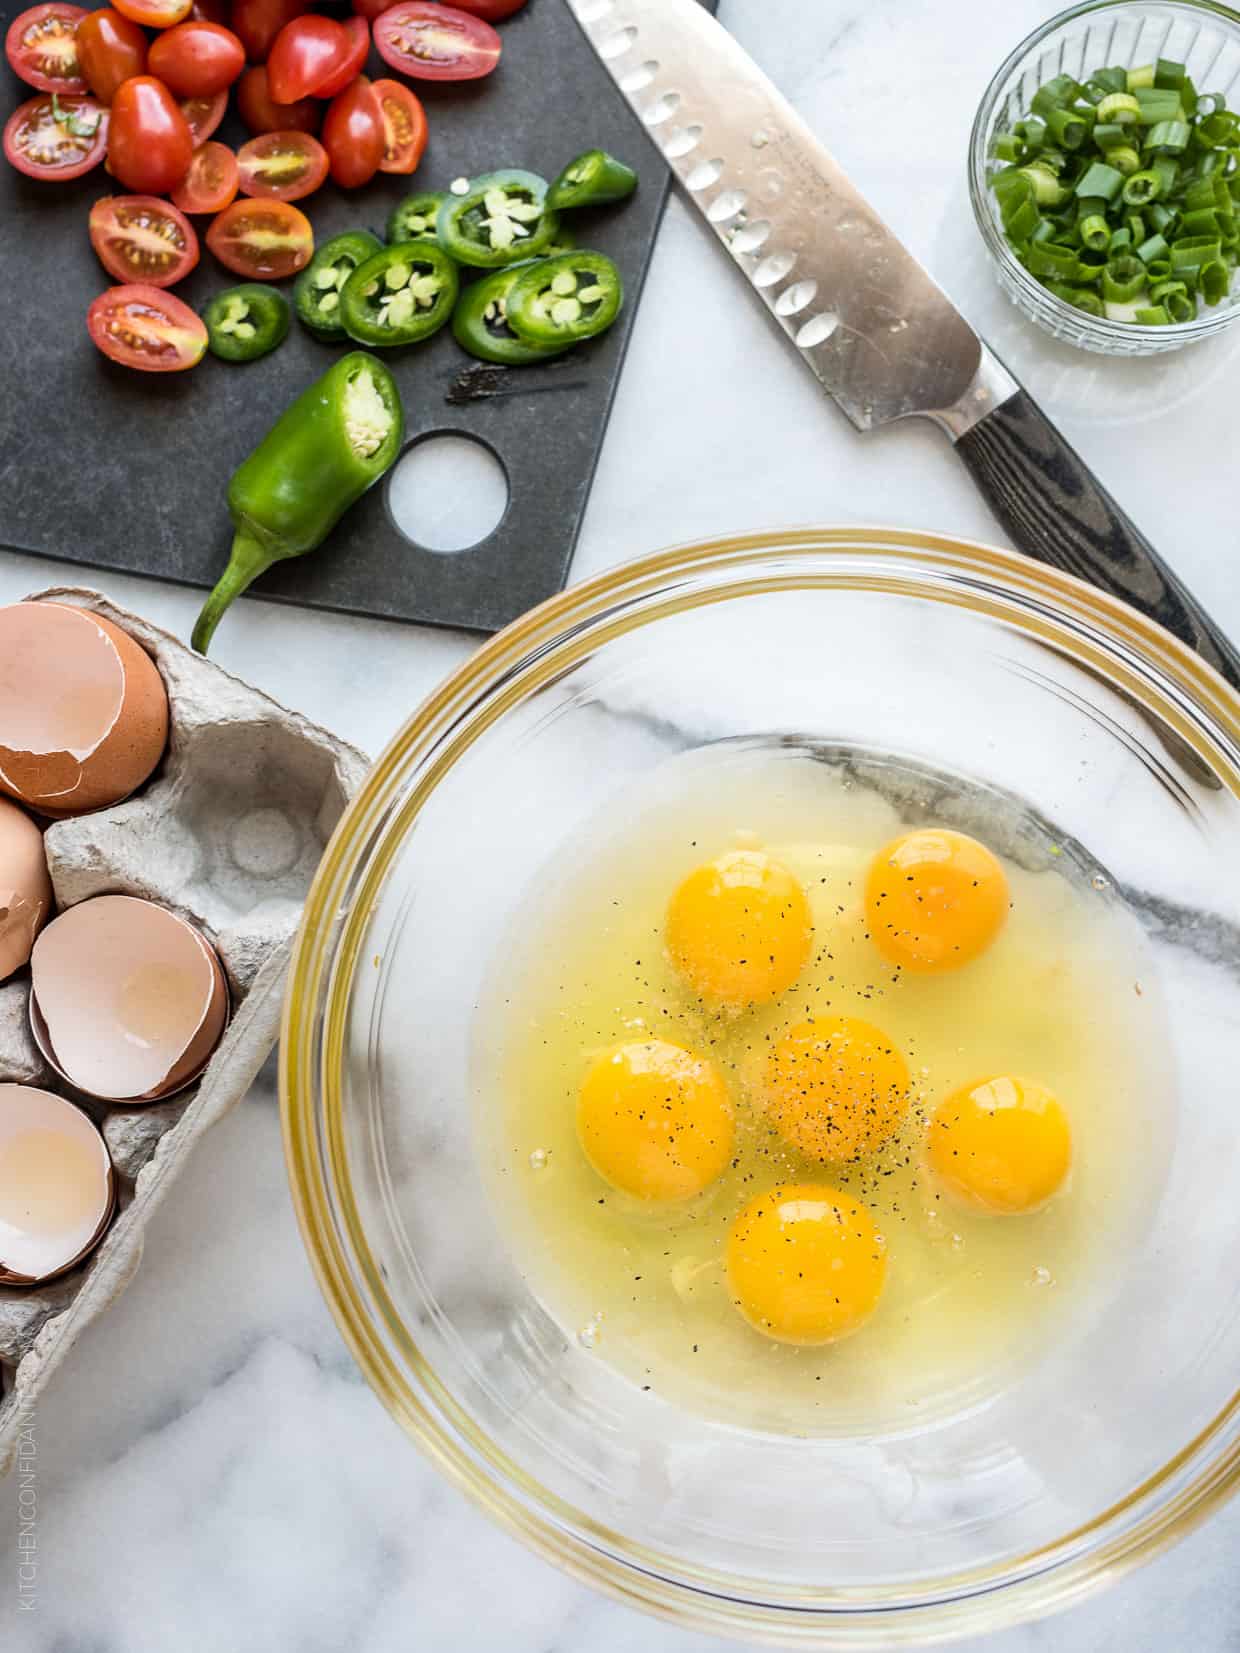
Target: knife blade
x,y
880,336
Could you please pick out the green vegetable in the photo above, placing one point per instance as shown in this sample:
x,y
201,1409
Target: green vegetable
x,y
480,323
403,293
246,322
566,299
320,456
318,288
501,219
1123,185
414,219
591,179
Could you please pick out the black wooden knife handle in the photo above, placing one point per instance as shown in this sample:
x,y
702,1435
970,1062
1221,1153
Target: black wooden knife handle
x,y
1057,511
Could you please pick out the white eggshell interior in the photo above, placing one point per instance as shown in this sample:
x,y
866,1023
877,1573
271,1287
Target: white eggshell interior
x,y
55,1181
123,986
62,682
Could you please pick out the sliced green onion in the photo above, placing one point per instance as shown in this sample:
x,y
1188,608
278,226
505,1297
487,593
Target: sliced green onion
x,y
1109,80
1169,73
1169,137
1215,280
1151,248
1159,217
1167,170
1191,252
1052,258
1173,296
1141,188
1120,107
1155,105
1095,233
1081,298
1142,75
1008,147
1125,159
1021,223
1152,316
1033,131
1121,239
1102,180
1054,95
1047,190
1123,279
1135,225
1203,223
1067,128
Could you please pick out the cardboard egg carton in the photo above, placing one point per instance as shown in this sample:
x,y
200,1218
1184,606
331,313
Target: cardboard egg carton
x,y
227,833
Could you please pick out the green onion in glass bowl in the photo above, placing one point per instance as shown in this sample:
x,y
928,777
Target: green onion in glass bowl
x,y
1105,174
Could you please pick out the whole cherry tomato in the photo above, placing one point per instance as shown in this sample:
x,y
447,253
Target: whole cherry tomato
x,y
149,142
154,14
261,113
258,22
212,11
353,134
195,60
370,9
307,52
111,51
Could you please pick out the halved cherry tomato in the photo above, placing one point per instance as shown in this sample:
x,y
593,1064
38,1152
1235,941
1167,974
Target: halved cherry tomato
x,y
139,326
358,31
141,238
494,11
258,22
149,141
404,126
353,134
196,60
265,240
111,51
307,52
281,166
428,41
60,142
154,14
203,115
211,182
41,47
261,113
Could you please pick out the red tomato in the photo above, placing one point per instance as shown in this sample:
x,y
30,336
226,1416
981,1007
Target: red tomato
x,y
211,11
494,11
211,182
41,47
111,51
353,134
307,52
149,141
258,22
203,115
371,9
358,31
404,126
57,143
264,240
141,327
281,166
154,14
261,114
196,60
141,238
432,42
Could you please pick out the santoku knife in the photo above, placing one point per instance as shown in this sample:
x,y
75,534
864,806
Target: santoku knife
x,y
881,337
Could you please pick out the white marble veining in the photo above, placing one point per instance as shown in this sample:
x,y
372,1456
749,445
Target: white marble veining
x,y
212,1474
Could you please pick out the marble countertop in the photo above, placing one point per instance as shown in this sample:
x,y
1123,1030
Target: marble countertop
x,y
213,1476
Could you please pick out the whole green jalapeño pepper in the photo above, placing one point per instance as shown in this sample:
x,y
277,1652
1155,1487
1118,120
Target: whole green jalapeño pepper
x,y
500,219
414,218
404,293
246,322
317,293
480,323
590,180
563,300
319,457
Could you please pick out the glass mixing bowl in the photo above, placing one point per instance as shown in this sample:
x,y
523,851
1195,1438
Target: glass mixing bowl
x,y
967,662
1202,35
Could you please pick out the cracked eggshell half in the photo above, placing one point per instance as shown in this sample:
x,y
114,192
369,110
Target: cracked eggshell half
x,y
25,887
57,1185
128,1001
83,710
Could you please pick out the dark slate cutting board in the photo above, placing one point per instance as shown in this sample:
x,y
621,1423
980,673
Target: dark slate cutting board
x,y
128,471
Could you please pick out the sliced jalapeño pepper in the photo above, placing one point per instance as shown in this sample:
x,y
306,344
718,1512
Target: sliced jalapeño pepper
x,y
317,293
414,219
563,300
402,294
321,455
480,323
246,322
590,180
501,219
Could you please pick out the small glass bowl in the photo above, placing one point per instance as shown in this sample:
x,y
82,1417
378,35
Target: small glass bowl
x,y
1205,37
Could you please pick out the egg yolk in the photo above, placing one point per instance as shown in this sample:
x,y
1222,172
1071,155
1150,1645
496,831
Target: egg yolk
x,y
739,929
835,1087
934,900
1004,1145
655,1120
806,1263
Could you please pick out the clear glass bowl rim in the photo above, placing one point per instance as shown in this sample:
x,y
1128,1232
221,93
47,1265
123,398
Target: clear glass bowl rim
x,y
1117,334
1104,636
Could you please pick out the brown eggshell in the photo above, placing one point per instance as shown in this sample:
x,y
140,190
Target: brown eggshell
x,y
83,710
25,887
57,1185
128,1000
